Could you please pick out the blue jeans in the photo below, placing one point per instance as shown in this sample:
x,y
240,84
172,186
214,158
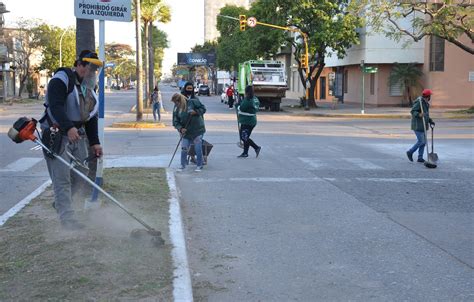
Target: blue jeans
x,y
420,144
197,141
156,111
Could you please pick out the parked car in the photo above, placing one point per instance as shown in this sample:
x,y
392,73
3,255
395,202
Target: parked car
x,y
204,90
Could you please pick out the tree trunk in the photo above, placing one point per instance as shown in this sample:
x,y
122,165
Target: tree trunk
x,y
313,82
139,69
151,60
85,35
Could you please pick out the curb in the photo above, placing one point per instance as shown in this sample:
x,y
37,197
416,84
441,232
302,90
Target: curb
x,y
137,125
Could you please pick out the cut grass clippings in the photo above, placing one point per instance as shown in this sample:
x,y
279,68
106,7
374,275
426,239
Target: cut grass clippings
x,y
40,261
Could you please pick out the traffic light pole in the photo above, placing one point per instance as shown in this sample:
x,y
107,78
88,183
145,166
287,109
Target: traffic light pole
x,y
285,28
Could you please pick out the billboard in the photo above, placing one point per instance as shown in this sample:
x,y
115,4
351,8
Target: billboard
x,y
196,58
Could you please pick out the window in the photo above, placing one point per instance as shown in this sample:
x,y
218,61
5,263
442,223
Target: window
x,y
346,80
396,89
436,54
372,83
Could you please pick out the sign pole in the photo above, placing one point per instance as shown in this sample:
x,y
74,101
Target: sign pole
x,y
362,111
100,161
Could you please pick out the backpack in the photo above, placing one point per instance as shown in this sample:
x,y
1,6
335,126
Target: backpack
x,y
70,87
71,76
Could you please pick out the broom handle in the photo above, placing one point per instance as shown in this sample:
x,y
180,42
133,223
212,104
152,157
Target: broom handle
x,y
432,139
424,128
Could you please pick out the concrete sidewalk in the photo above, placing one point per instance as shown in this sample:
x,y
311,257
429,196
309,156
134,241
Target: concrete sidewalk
x,y
352,110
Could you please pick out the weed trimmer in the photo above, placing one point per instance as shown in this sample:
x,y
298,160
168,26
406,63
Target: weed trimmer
x,y
23,129
429,163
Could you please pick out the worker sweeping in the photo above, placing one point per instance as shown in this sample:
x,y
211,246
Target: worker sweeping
x,y
420,118
69,123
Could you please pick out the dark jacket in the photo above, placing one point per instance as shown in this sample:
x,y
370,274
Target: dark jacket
x,y
247,111
196,122
416,119
61,108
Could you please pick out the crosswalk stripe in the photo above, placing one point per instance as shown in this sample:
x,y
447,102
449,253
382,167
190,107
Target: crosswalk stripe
x,y
313,162
22,164
363,164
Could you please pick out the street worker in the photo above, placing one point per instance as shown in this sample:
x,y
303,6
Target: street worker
x,y
156,103
188,119
420,121
247,115
69,122
230,96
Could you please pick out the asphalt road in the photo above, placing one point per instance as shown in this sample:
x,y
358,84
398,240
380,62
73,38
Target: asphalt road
x,y
330,211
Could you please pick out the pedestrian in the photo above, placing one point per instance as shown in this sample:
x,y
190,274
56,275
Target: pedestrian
x,y
69,122
188,119
247,115
230,96
156,103
420,121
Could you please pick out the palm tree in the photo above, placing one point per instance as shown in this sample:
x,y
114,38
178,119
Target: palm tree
x,y
85,36
152,10
408,75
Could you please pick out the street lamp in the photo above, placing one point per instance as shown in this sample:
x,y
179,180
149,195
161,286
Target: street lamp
x,y
60,47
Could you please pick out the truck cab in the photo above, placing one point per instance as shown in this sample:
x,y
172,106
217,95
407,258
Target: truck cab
x,y
268,79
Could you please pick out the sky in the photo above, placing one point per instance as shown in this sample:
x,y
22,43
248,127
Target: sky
x,y
185,30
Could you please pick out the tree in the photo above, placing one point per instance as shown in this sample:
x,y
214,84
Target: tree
x,y
449,20
328,26
233,46
139,69
408,75
47,40
152,10
207,47
23,49
119,54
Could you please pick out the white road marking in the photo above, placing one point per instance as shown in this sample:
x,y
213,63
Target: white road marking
x,y
363,164
313,162
20,205
22,164
257,179
313,179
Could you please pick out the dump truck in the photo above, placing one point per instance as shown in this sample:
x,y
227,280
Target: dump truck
x,y
268,79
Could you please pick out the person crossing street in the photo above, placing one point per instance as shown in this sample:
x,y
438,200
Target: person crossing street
x,y
420,121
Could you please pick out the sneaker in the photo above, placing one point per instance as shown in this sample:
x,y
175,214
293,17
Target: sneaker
x,y
243,155
257,151
71,225
181,168
198,169
410,156
420,160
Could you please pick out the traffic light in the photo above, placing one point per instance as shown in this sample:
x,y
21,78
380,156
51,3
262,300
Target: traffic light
x,y
243,22
303,61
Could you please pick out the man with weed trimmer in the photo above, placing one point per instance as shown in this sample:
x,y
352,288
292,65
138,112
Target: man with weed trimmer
x,y
68,124
420,122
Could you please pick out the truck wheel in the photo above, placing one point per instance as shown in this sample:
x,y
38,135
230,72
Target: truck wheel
x,y
275,107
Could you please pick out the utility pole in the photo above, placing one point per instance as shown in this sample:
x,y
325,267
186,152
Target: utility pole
x,y
139,61
362,68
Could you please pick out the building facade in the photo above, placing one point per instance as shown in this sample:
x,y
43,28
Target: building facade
x,y
447,70
211,10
